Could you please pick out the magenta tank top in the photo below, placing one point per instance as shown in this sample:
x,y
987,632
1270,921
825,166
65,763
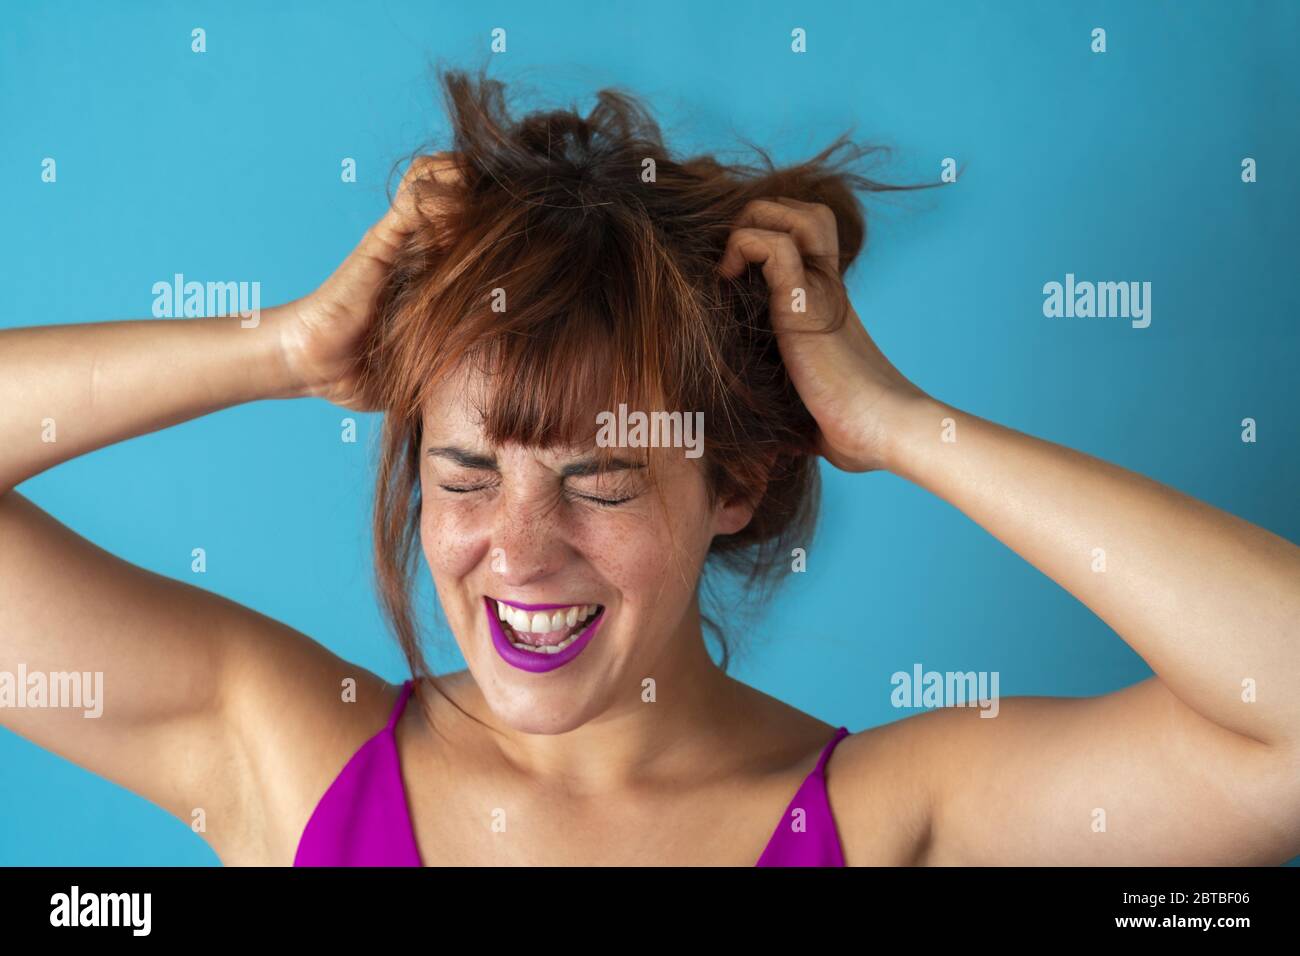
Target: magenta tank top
x,y
364,820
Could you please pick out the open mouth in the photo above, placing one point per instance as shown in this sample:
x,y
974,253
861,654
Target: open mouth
x,y
547,631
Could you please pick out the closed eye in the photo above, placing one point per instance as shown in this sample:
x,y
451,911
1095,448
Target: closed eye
x,y
605,502
602,502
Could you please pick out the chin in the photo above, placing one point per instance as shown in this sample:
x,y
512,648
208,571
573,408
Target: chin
x,y
534,710
536,693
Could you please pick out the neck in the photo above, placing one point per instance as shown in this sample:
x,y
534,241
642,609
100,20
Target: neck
x,y
660,723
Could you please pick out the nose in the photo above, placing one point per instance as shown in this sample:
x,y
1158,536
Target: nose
x,y
528,540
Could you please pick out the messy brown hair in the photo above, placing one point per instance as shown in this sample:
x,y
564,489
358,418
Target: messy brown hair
x,y
606,247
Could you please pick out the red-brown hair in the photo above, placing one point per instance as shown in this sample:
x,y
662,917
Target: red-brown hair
x,y
612,296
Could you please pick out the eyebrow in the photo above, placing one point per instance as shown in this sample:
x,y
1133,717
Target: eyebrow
x,y
575,469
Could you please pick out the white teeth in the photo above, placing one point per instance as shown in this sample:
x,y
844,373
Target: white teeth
x,y
543,622
546,648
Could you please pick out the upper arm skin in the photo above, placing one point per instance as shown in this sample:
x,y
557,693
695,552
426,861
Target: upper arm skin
x,y
206,704
881,804
1132,777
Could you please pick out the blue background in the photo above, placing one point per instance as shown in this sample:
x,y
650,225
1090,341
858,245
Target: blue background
x,y
1119,166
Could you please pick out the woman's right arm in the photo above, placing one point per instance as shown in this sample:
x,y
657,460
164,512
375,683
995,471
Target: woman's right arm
x,y
170,654
195,688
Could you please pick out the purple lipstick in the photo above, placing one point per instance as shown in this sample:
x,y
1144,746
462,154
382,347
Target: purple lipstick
x,y
578,636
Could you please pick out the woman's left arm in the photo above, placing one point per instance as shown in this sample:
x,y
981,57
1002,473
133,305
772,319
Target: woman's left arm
x,y
1211,602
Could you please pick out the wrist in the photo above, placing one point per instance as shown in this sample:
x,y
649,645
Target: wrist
x,y
285,365
916,422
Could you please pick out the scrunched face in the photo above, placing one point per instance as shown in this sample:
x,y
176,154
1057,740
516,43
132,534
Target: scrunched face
x,y
565,586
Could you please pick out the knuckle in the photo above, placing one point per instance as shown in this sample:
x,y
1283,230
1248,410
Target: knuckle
x,y
825,214
418,166
427,166
786,243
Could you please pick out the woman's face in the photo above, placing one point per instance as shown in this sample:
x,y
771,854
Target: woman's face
x,y
532,527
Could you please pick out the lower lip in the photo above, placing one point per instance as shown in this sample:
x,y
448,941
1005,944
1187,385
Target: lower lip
x,y
528,660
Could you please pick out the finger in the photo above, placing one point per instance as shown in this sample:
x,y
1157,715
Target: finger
x,y
443,167
403,216
384,238
811,224
775,252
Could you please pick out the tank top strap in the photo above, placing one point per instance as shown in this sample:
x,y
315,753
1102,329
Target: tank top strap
x,y
840,734
400,706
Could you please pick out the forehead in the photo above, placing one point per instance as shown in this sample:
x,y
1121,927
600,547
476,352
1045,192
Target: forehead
x,y
489,415
456,403
455,432
455,421
471,400
463,399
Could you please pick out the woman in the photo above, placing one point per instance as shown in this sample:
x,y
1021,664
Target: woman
x,y
540,273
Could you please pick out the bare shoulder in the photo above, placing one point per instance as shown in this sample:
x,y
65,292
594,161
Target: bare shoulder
x,y
298,718
889,784
879,785
878,790
959,784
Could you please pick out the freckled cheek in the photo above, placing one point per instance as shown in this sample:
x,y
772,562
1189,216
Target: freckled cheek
x,y
611,550
454,541
635,560
631,557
